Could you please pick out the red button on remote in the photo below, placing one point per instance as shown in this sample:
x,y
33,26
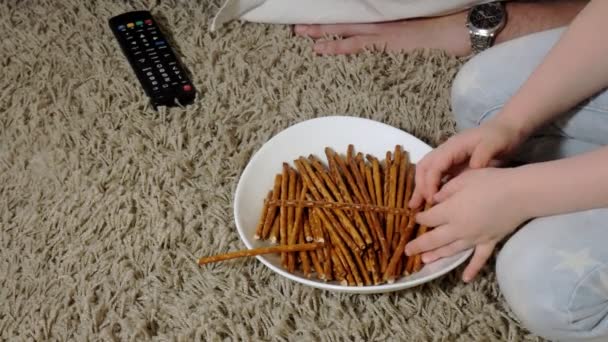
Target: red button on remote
x,y
148,22
187,87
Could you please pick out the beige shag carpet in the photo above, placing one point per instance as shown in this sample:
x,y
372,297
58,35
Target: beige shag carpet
x,y
105,204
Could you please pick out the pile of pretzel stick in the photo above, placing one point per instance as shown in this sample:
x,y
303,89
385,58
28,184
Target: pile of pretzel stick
x,y
346,220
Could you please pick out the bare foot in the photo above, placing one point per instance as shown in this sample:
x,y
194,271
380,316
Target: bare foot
x,y
446,33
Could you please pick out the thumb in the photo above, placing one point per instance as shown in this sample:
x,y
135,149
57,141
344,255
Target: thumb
x,y
482,155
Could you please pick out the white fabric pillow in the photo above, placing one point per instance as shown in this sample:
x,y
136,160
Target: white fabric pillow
x,y
334,11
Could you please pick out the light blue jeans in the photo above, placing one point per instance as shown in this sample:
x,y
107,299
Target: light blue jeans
x,y
553,272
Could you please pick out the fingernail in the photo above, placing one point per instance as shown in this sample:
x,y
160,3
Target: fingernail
x,y
407,251
425,258
466,278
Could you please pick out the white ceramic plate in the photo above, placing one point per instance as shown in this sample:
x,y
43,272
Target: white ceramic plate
x,y
313,136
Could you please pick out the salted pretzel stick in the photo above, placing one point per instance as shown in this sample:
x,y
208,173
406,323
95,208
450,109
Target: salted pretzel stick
x,y
310,203
403,166
392,191
315,226
276,193
311,177
316,264
423,229
363,269
377,175
289,211
282,209
371,257
304,256
340,192
327,255
409,268
387,171
291,234
307,229
399,269
260,228
361,164
260,251
276,225
339,270
361,196
349,267
350,153
369,178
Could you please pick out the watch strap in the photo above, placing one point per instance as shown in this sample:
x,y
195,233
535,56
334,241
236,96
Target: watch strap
x,y
480,42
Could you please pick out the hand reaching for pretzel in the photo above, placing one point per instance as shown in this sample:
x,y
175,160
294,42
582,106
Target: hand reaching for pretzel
x,y
474,148
475,209
465,213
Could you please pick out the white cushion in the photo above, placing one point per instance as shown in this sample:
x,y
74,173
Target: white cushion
x,y
334,11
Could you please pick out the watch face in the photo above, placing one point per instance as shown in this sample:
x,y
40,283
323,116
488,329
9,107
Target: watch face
x,y
487,16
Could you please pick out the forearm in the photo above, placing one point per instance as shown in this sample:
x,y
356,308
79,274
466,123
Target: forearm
x,y
526,17
562,186
575,69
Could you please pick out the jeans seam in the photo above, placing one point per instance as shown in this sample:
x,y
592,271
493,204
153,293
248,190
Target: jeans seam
x,y
487,112
578,285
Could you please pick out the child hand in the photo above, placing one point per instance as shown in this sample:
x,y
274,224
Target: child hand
x,y
477,146
476,209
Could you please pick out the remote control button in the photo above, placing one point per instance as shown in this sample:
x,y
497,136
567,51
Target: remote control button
x,y
164,74
148,21
130,25
121,27
165,85
167,79
159,42
141,60
139,23
187,87
149,73
154,83
155,88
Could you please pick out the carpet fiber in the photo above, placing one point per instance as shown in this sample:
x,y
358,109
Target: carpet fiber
x,y
105,204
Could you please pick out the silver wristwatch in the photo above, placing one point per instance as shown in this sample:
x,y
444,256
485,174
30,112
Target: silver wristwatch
x,y
484,22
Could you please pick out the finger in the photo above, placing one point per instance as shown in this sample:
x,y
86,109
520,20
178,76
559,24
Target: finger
x,y
434,239
482,155
445,251
417,197
450,188
433,217
454,152
350,45
342,30
481,255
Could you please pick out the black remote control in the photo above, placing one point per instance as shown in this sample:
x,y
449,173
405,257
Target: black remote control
x,y
160,73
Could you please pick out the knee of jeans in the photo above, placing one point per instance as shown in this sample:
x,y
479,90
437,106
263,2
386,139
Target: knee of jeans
x,y
553,304
473,92
523,280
